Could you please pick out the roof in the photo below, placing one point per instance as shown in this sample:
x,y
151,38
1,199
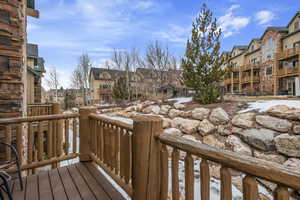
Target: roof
x,y
280,29
297,13
113,72
32,50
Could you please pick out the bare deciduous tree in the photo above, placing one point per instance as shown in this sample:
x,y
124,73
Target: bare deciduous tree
x,y
127,60
158,59
53,82
80,76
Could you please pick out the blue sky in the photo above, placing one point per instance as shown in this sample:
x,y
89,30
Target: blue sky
x,y
68,28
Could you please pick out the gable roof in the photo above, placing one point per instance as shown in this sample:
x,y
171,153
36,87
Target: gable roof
x,y
297,13
114,73
280,29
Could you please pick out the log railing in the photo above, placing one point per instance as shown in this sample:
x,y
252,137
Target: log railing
x,y
45,139
111,148
39,109
253,169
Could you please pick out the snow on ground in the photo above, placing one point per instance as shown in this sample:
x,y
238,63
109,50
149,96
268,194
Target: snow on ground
x,y
181,99
121,119
264,105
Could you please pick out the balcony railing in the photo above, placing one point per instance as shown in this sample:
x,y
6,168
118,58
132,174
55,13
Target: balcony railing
x,y
286,53
288,71
247,79
136,156
42,109
250,66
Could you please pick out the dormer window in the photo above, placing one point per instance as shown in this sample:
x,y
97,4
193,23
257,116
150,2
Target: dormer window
x,y
252,48
296,26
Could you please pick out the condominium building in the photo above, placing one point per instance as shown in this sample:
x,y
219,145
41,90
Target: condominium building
x,y
268,65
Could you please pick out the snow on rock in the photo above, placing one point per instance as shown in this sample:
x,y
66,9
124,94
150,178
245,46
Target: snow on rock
x,y
264,105
284,111
181,99
293,163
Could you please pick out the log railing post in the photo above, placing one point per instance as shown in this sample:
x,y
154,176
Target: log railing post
x,y
146,158
85,133
57,127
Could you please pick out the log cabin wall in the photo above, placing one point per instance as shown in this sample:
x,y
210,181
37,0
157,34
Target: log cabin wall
x,y
12,59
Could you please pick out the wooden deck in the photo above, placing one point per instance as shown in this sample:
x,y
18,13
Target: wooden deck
x,y
77,181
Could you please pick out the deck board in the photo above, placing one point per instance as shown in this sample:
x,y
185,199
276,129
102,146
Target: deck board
x,y
74,182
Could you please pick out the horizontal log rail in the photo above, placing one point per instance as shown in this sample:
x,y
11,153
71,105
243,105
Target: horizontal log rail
x,y
39,109
252,167
111,148
45,139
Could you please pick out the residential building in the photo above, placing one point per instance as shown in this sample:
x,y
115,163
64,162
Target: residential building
x,y
268,65
35,71
143,83
13,72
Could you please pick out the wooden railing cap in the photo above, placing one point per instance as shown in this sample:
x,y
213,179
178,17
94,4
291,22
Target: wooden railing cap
x,y
145,118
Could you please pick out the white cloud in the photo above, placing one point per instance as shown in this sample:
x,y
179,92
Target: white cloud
x,y
264,17
143,5
174,33
232,24
64,77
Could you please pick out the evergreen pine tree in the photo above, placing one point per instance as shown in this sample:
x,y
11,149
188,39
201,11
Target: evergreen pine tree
x,y
119,91
202,62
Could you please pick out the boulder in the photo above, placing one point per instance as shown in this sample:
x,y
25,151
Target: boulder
x,y
244,120
200,113
130,109
237,145
187,126
296,129
236,130
224,130
173,131
213,141
186,114
166,122
269,157
179,106
174,113
164,109
274,123
284,111
288,144
219,116
154,109
262,139
293,163
206,128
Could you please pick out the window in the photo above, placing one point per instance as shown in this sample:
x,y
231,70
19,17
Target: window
x,y
252,48
269,56
296,26
269,70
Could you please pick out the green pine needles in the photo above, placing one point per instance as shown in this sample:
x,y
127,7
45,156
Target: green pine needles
x,y
202,63
120,91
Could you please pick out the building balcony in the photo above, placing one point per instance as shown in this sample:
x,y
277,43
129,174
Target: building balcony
x,y
287,53
227,81
288,71
104,91
248,79
250,66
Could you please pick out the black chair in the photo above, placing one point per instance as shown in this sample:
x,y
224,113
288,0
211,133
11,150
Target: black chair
x,y
4,187
6,164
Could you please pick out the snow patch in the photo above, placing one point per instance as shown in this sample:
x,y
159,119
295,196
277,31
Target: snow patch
x,y
264,105
181,99
121,119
